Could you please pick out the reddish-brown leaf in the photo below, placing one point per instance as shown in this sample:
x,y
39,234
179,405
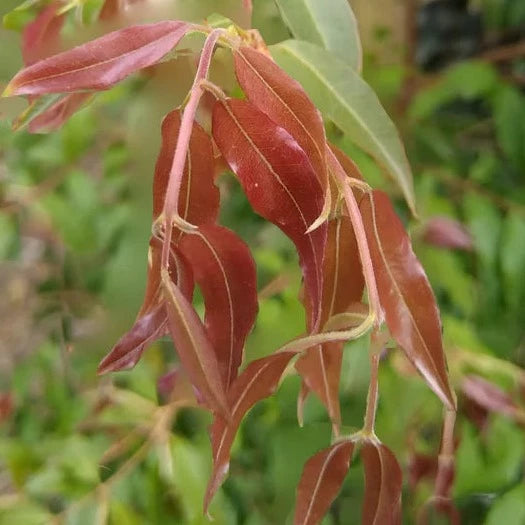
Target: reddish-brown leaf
x,y
258,381
101,63
193,347
199,197
409,304
56,115
284,100
383,483
343,285
278,180
321,480
175,386
488,395
41,37
447,233
225,271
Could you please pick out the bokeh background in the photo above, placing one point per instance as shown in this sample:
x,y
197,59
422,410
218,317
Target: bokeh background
x,y
75,213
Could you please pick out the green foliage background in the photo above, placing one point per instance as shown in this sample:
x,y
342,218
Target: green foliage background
x,y
73,234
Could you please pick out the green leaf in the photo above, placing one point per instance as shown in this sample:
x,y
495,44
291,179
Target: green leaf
x,y
334,28
513,259
344,97
509,509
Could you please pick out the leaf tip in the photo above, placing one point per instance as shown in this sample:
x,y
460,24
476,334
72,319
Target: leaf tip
x,y
8,91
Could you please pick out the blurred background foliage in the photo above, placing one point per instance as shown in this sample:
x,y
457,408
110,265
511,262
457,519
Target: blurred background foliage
x,y
75,213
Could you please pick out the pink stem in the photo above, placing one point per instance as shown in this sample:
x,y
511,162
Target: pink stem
x,y
360,235
445,471
183,140
371,400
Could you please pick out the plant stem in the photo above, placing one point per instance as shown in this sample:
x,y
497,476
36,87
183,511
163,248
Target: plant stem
x,y
360,235
445,473
371,400
183,140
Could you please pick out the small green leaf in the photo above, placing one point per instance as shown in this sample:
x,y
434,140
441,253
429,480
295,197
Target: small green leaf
x,y
334,28
344,97
509,509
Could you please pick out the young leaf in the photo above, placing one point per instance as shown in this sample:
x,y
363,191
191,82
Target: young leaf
x,y
343,285
278,180
258,381
193,347
345,98
225,271
199,197
383,483
332,27
321,480
447,233
405,294
283,99
101,63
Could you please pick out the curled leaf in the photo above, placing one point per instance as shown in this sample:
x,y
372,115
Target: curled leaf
x,y
409,304
101,63
278,180
258,381
225,272
383,484
320,482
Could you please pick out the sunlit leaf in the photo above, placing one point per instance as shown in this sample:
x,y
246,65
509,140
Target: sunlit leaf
x,y
101,63
405,294
383,483
225,272
332,27
321,480
343,97
278,180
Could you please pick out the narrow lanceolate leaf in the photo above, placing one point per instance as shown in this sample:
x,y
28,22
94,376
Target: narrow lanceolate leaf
x,y
258,381
406,296
224,269
335,29
101,63
383,484
321,480
343,285
346,99
283,99
193,347
199,197
278,180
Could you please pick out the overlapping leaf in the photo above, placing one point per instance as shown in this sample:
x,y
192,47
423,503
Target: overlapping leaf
x,y
345,98
283,99
405,294
258,381
199,197
320,482
383,483
225,272
278,180
101,63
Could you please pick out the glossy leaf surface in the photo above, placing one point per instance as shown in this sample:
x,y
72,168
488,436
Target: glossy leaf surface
x,y
383,483
320,482
278,180
258,381
345,98
405,293
332,27
224,269
101,63
199,197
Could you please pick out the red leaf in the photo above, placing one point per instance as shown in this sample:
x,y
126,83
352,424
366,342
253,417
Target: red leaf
x,y
488,395
278,180
405,294
258,380
284,100
383,483
41,37
193,347
225,271
343,285
175,386
57,114
447,233
199,197
321,480
101,63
